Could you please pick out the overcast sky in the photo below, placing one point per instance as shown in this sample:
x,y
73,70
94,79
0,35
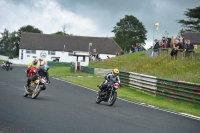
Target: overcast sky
x,y
94,17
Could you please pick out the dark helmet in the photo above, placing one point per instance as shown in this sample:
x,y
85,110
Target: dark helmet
x,y
35,61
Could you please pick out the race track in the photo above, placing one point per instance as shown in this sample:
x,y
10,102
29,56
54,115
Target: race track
x,y
67,108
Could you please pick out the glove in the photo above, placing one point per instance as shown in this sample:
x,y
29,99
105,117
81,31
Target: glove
x,y
48,81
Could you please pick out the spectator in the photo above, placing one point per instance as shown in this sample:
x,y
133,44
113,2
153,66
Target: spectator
x,y
108,57
180,39
184,43
97,56
172,42
188,46
155,48
161,44
176,47
130,51
133,48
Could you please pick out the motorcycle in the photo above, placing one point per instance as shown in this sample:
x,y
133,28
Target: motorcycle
x,y
7,67
36,87
3,66
109,94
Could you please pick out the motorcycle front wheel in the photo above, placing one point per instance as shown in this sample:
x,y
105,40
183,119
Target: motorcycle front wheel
x,y
112,98
36,92
98,99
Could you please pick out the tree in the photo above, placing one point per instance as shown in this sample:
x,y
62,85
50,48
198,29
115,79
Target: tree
x,y
28,28
129,31
5,43
181,32
165,34
193,24
61,33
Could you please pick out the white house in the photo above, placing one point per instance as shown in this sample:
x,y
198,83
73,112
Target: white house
x,y
62,48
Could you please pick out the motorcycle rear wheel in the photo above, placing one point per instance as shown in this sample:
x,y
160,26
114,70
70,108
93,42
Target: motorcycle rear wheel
x,y
98,99
112,99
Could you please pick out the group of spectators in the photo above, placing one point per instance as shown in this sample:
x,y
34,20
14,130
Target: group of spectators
x,y
134,49
178,43
94,56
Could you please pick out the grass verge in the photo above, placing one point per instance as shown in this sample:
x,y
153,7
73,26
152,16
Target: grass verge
x,y
137,96
62,71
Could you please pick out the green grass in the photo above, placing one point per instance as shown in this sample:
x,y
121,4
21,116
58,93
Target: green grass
x,y
137,96
2,61
64,71
164,67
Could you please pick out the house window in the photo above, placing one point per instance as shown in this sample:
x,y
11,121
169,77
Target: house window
x,y
28,55
51,53
31,51
28,51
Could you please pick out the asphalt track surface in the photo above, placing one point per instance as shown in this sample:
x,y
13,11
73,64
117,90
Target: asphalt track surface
x,y
67,108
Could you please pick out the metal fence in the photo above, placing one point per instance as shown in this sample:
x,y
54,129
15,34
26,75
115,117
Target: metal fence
x,y
139,81
190,54
87,69
171,89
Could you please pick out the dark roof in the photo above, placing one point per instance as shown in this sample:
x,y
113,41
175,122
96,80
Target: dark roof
x,y
194,37
52,42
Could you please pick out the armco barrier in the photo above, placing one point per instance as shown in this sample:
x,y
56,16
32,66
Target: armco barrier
x,y
143,82
124,77
171,89
179,90
87,69
139,81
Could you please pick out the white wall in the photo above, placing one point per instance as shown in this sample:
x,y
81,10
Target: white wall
x,y
104,56
2,57
64,57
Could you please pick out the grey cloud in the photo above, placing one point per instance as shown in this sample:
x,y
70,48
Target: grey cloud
x,y
106,13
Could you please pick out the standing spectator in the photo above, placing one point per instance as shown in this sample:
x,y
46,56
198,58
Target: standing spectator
x,y
132,48
180,39
97,56
172,42
155,48
168,42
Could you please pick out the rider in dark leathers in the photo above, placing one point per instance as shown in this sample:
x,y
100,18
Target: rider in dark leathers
x,y
113,76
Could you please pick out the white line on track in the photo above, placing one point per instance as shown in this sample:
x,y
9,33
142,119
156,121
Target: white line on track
x,y
143,104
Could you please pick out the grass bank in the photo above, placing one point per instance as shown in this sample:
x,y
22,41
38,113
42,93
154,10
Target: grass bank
x,y
137,96
61,71
164,67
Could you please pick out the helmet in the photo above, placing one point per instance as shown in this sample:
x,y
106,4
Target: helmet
x,y
43,63
115,71
46,68
35,61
